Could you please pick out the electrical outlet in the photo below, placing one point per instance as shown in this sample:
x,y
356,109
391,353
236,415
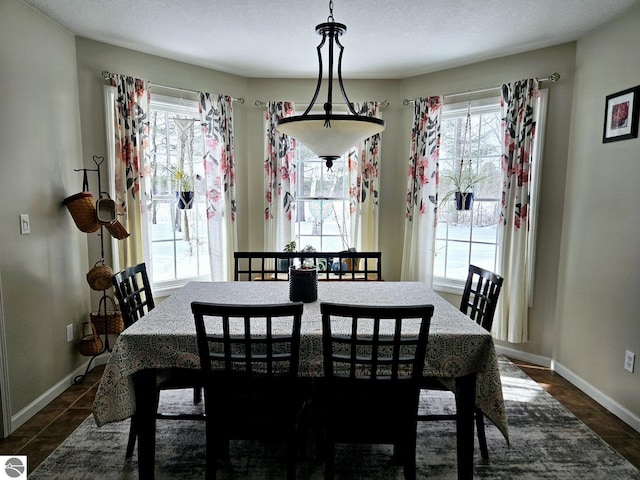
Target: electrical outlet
x,y
70,332
629,360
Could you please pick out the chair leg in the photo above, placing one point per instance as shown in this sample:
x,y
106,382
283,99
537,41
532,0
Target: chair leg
x,y
482,438
329,448
211,448
133,434
292,448
197,395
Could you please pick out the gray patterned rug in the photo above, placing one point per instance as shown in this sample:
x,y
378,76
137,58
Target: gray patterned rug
x,y
547,442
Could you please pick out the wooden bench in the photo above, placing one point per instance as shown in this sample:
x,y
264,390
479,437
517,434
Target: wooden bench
x,y
364,266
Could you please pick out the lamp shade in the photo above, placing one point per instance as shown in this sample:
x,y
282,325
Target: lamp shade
x,y
329,136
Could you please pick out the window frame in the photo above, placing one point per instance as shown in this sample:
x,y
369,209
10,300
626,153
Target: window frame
x,y
178,106
457,286
299,200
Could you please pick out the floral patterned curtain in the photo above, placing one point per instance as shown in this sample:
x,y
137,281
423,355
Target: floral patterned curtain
x,y
131,134
279,178
364,184
420,215
216,114
518,109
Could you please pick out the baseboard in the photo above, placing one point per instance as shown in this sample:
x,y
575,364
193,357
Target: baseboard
x,y
524,356
607,402
47,397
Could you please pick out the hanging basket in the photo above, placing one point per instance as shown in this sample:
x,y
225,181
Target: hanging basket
x,y
90,343
99,277
83,211
107,321
117,230
464,201
185,200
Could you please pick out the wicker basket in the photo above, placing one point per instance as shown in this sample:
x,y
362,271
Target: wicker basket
x,y
107,321
83,211
99,277
117,230
90,343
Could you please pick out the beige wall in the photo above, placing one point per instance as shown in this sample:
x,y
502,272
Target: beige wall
x,y
43,273
598,301
51,97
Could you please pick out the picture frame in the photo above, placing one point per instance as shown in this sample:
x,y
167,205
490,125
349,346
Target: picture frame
x,y
621,115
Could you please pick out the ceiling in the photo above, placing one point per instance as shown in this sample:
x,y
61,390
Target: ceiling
x,y
385,38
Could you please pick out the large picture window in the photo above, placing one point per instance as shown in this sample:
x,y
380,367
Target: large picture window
x,y
472,236
469,236
321,205
179,243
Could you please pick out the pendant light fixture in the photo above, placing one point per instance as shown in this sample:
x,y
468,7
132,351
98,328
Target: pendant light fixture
x,y
330,135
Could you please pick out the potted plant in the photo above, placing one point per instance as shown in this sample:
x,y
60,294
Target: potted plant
x,y
184,190
283,263
462,183
463,178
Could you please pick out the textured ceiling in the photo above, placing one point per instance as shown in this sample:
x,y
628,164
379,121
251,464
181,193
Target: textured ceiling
x,y
385,38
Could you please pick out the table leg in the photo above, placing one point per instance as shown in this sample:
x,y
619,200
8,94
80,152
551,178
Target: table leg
x,y
144,385
465,404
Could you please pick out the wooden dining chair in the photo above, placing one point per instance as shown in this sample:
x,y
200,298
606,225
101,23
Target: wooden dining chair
x,y
479,302
133,292
249,356
373,362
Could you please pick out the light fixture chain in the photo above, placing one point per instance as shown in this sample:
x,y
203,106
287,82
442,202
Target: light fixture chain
x,y
330,17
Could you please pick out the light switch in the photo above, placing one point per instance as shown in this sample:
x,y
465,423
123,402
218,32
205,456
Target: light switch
x,y
25,226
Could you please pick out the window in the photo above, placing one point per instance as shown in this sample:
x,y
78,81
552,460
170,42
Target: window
x,y
321,204
465,237
178,237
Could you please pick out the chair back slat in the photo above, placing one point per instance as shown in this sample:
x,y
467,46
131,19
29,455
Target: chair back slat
x,y
362,342
480,296
252,341
133,291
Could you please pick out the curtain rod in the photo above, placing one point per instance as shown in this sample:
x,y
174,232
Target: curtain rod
x,y
554,77
263,104
106,75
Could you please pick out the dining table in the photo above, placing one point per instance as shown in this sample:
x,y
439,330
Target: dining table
x,y
459,352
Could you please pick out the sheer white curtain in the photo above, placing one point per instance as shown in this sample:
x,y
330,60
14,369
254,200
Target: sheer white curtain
x,y
279,178
420,214
519,104
216,112
364,172
127,107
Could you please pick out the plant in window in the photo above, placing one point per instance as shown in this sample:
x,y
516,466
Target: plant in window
x,y
283,263
464,178
184,189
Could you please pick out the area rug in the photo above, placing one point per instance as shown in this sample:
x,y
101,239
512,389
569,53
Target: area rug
x,y
546,442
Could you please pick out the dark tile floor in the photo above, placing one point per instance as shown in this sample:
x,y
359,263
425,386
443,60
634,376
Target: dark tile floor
x,y
40,436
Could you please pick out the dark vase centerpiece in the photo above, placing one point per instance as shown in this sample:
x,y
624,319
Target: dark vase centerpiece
x,y
303,284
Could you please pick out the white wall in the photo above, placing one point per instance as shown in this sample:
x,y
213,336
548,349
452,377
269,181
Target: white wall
x,y
43,273
598,301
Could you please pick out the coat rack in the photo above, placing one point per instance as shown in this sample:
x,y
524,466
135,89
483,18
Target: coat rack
x,y
89,218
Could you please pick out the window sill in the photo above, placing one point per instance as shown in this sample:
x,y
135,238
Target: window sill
x,y
454,287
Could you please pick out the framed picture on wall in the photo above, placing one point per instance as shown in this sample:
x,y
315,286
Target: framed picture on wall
x,y
621,115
